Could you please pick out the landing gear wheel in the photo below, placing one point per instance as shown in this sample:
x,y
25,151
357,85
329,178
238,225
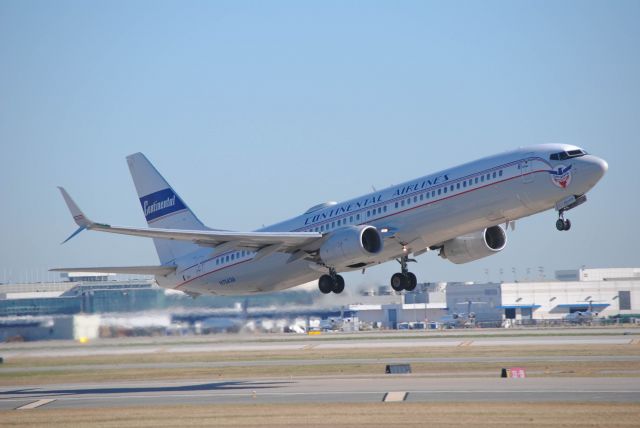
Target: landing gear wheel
x,y
398,281
338,285
560,224
325,284
412,282
567,224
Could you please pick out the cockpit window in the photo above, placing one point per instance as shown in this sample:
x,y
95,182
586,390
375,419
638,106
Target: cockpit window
x,y
567,155
576,153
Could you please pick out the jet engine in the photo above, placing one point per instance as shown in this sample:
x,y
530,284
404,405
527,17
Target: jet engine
x,y
468,248
351,245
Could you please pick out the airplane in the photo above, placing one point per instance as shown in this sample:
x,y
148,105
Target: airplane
x,y
468,318
462,212
582,317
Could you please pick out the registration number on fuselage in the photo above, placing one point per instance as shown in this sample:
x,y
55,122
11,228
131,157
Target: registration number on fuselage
x,y
228,281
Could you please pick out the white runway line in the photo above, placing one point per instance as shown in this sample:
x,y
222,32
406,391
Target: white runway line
x,y
36,404
394,396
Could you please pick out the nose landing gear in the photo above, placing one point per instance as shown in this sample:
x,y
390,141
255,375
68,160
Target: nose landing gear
x,y
567,204
563,224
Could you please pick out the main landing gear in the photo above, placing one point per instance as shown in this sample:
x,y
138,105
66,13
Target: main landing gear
x,y
404,280
562,223
332,283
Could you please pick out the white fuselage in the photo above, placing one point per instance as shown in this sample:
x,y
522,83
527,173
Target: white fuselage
x,y
418,214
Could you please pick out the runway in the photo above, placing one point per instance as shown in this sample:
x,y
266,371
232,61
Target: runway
x,y
325,361
295,343
322,390
462,376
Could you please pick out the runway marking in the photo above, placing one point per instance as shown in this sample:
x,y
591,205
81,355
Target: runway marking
x,y
634,342
466,343
36,404
308,347
429,392
394,396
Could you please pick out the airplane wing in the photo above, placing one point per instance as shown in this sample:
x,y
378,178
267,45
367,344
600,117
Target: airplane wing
x,y
142,270
275,241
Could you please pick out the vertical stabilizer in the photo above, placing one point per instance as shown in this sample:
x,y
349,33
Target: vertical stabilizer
x,y
163,208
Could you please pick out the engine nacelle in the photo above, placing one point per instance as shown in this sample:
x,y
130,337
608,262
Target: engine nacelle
x,y
351,245
468,248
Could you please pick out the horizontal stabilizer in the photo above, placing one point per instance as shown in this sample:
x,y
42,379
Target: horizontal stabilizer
x,y
142,270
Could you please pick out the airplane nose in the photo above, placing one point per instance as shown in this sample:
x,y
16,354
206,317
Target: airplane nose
x,y
598,166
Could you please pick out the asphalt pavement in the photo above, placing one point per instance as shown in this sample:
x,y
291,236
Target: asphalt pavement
x,y
352,389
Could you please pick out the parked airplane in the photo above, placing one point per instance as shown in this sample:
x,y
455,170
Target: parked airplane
x,y
458,211
582,317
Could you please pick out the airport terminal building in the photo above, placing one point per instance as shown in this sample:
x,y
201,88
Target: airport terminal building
x,y
43,310
603,292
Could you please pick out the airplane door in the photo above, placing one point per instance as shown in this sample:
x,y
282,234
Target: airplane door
x,y
525,171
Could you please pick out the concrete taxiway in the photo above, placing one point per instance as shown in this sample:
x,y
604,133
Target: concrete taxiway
x,y
409,388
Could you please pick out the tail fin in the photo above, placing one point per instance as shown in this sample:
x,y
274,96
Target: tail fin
x,y
162,208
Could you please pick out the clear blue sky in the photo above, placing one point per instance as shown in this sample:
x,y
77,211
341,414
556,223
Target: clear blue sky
x,y
255,111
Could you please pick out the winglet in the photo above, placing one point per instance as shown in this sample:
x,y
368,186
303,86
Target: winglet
x,y
78,216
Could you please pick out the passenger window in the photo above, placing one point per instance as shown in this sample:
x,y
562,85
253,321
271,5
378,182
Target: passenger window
x,y
379,210
415,199
458,186
384,208
227,259
333,224
445,190
351,219
439,191
433,193
495,174
482,179
464,183
500,173
476,180
402,203
358,217
396,205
